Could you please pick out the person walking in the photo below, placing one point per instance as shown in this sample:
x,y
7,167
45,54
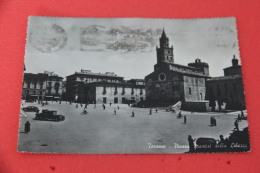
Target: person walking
x,y
118,107
150,111
27,127
214,121
85,111
133,113
110,103
76,105
191,144
236,125
115,111
242,114
238,117
185,119
95,106
211,121
156,110
179,115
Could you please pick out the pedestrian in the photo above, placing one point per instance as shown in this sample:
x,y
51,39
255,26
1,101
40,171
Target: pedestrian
x,y
86,106
27,127
110,103
104,107
85,111
156,110
242,114
118,107
95,106
185,119
37,111
42,104
115,111
81,105
150,111
191,144
133,114
167,110
179,115
60,102
214,121
222,140
76,105
211,121
238,117
70,102
236,125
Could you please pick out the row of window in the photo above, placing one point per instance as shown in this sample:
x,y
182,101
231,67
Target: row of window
x,y
123,91
124,100
96,80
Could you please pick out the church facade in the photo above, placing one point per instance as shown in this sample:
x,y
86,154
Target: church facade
x,y
171,82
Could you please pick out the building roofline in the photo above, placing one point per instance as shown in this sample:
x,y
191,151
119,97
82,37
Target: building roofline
x,y
237,66
95,74
225,77
102,83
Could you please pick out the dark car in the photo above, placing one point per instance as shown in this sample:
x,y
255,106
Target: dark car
x,y
49,115
29,100
31,109
205,145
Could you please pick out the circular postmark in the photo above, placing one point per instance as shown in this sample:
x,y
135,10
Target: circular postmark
x,y
48,38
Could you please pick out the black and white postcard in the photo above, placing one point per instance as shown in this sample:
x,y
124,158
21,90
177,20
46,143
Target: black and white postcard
x,y
132,85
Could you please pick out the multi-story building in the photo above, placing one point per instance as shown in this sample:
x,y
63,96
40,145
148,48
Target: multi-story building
x,y
42,86
171,82
227,92
84,77
111,92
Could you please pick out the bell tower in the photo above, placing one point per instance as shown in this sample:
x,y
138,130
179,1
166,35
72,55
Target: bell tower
x,y
164,52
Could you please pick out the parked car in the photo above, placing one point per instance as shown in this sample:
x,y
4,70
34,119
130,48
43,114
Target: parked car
x,y
31,109
29,100
49,115
206,145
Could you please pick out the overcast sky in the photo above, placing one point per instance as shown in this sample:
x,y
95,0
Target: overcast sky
x,y
66,45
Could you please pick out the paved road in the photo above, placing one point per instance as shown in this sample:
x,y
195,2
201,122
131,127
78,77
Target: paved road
x,y
100,131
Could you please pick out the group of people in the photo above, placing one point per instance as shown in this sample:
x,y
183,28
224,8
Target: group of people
x,y
151,111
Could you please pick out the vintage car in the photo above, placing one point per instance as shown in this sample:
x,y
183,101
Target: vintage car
x,y
49,115
29,100
205,144
30,109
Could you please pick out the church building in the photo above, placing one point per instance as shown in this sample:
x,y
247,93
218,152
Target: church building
x,y
171,82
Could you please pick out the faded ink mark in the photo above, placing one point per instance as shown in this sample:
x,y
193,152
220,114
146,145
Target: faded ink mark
x,y
48,38
123,39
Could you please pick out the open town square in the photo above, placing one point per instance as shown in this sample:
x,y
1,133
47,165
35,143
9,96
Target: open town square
x,y
103,131
124,88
